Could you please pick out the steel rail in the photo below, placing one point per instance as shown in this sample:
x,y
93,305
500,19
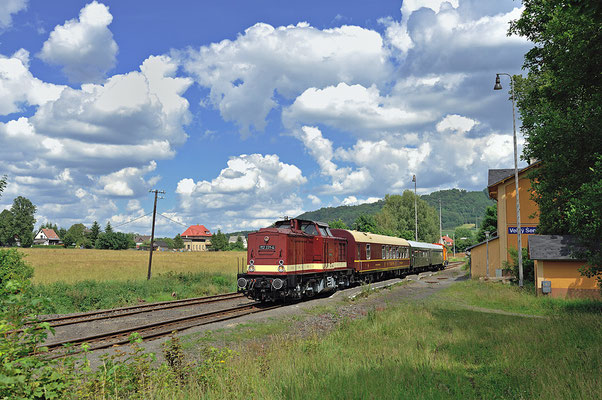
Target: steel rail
x,y
152,330
131,310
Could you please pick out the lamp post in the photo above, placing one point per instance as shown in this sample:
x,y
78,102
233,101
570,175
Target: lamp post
x,y
498,86
487,252
415,208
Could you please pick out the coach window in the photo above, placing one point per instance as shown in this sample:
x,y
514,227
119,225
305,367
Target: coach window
x,y
367,252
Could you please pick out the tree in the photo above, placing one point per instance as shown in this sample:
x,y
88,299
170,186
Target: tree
x,y
397,218
178,242
75,236
464,238
23,212
365,223
94,232
337,224
219,241
7,232
50,225
560,102
108,228
114,241
489,223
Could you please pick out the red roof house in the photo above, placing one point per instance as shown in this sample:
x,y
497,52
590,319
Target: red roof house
x,y
196,238
46,237
447,240
195,231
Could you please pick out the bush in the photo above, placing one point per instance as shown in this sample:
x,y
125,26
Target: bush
x,y
12,267
528,265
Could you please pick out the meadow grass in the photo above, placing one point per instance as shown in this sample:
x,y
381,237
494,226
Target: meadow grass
x,y
94,295
75,265
435,349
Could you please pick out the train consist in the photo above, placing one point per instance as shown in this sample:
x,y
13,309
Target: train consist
x,y
297,258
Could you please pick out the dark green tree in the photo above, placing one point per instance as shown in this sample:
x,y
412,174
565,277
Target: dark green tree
x,y
397,218
219,241
75,236
24,221
337,224
366,223
114,241
50,225
7,232
489,223
94,232
560,102
108,227
464,238
178,242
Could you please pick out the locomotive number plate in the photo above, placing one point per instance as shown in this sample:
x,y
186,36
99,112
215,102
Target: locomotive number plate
x,y
267,247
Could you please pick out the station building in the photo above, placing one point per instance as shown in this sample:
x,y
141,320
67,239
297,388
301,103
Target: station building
x,y
556,271
501,187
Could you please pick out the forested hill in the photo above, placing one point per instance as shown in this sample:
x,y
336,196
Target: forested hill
x,y
458,207
347,214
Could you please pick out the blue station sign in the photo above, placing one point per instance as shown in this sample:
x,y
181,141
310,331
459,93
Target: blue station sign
x,y
524,230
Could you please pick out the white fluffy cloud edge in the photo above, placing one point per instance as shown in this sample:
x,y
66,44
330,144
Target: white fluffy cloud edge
x,y
408,97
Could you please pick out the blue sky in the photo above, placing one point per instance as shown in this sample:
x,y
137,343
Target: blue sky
x,y
246,111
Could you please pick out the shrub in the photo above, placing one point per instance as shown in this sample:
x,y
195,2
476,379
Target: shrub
x,y
528,265
13,267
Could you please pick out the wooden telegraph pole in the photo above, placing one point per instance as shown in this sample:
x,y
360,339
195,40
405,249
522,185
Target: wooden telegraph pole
x,y
152,242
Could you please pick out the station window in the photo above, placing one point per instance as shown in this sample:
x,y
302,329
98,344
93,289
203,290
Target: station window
x,y
367,252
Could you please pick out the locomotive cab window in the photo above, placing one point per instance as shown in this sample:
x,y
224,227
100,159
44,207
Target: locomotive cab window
x,y
309,228
322,231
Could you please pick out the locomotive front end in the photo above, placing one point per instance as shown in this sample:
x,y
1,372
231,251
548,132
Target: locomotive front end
x,y
265,278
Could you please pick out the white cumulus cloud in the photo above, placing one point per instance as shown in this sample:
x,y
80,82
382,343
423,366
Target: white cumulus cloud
x,y
84,48
10,7
245,74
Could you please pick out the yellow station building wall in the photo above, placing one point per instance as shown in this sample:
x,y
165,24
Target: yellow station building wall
x,y
565,279
478,259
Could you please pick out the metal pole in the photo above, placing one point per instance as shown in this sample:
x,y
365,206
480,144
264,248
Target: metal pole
x,y
518,226
487,250
454,239
152,243
440,230
415,207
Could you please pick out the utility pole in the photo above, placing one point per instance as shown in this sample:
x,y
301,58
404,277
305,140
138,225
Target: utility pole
x,y
152,242
415,207
440,230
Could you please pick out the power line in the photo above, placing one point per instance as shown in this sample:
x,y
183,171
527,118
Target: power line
x,y
173,220
132,220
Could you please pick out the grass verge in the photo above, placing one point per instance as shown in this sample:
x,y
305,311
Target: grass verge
x,y
93,295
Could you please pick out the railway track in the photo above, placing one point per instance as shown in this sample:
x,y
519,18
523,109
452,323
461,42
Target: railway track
x,y
132,310
148,331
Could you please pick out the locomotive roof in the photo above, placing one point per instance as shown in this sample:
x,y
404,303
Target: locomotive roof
x,y
421,245
367,237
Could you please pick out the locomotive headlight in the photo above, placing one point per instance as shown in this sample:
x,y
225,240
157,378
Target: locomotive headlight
x,y
251,268
281,268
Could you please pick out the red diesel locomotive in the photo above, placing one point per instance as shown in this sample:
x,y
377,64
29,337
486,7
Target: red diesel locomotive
x,y
300,258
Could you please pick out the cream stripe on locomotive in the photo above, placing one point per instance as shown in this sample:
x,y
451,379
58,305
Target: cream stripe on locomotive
x,y
300,267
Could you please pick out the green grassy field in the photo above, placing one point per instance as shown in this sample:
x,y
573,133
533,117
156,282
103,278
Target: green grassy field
x,y
82,280
437,349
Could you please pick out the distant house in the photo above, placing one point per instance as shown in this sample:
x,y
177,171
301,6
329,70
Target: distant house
x,y
140,239
447,240
234,239
46,237
160,245
196,238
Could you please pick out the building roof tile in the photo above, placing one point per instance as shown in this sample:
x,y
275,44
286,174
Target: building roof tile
x,y
552,247
196,230
51,234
